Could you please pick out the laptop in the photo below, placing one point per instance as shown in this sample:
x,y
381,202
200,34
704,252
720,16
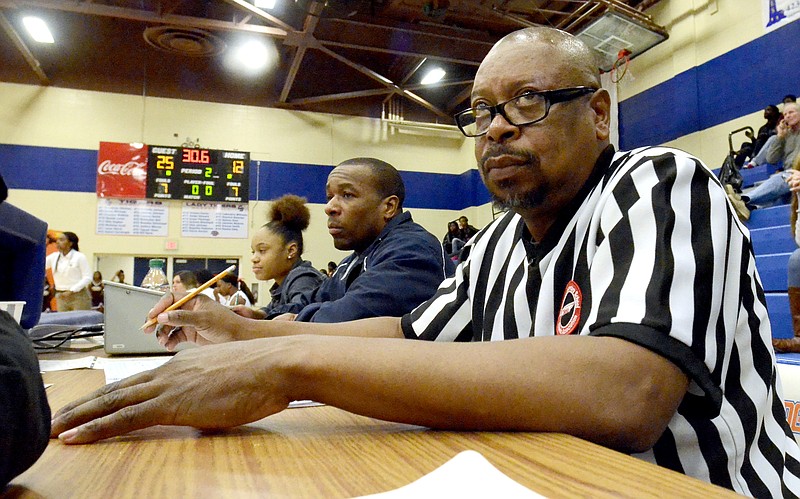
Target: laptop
x,y
126,309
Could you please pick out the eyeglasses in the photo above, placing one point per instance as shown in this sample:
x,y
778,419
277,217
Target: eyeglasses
x,y
526,109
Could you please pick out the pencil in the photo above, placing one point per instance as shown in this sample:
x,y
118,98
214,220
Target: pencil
x,y
191,295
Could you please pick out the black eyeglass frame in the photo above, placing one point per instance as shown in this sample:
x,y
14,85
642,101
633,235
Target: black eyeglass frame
x,y
550,97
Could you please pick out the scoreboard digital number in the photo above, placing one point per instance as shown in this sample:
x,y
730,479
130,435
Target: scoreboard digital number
x,y
198,174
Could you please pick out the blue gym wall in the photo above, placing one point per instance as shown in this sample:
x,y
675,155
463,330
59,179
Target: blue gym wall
x,y
737,83
75,170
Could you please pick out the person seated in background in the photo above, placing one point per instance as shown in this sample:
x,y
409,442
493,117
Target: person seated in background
x,y
395,265
452,242
757,152
617,301
233,291
96,289
22,255
781,149
24,411
203,276
184,281
331,269
466,230
119,277
278,255
793,268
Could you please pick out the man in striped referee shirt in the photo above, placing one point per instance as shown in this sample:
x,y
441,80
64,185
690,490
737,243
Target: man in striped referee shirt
x,y
617,301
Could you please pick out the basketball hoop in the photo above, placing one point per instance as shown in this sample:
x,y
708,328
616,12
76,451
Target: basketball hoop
x,y
623,58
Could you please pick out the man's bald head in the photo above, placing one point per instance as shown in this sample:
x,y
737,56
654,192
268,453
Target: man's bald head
x,y
573,55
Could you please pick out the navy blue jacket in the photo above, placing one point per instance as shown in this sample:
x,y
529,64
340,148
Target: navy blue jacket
x,y
288,297
402,268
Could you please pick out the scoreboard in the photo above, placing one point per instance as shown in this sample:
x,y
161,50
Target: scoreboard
x,y
198,174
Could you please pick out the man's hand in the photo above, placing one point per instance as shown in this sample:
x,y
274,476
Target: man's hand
x,y
215,387
200,320
250,313
781,129
284,317
793,179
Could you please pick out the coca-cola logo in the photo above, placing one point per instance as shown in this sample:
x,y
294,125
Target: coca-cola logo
x,y
109,168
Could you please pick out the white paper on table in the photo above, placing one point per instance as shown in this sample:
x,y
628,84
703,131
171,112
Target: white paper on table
x,y
467,475
117,369
87,362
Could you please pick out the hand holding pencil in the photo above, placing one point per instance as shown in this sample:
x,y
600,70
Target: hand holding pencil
x,y
191,295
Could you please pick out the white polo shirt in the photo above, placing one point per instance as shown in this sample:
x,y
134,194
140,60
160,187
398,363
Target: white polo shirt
x,y
71,272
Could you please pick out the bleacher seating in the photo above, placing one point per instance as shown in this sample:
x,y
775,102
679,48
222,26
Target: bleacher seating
x,y
772,240
772,245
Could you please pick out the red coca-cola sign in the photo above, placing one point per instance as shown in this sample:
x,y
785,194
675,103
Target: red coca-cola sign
x,y
121,170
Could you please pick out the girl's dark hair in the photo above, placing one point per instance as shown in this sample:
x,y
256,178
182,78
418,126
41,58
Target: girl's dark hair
x,y
72,238
289,217
188,279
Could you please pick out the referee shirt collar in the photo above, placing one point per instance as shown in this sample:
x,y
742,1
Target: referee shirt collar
x,y
540,248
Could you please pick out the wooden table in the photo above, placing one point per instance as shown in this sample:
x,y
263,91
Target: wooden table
x,y
323,452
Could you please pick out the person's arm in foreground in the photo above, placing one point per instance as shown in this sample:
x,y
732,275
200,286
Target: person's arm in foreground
x,y
575,385
24,412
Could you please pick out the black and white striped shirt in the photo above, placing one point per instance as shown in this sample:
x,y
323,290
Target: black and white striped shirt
x,y
649,251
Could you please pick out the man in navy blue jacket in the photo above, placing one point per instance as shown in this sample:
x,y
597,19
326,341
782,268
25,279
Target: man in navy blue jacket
x,y
395,265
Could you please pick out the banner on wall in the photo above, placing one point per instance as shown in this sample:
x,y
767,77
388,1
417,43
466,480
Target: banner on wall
x,y
124,217
777,13
121,170
221,220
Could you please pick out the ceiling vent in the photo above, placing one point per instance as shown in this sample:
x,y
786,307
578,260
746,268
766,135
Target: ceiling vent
x,y
184,41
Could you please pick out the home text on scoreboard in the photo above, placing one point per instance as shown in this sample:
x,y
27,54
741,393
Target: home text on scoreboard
x,y
198,174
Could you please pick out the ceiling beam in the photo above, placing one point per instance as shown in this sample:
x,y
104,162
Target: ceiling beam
x,y
341,96
401,41
249,7
142,16
32,61
383,81
306,39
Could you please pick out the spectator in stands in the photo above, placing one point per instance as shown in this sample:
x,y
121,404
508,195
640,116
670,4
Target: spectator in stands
x,y
184,281
789,98
781,148
233,291
119,277
452,242
767,130
395,265
617,300
71,274
793,268
331,269
203,276
278,256
465,229
96,289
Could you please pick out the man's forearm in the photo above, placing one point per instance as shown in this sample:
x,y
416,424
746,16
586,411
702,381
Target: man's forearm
x,y
574,385
378,327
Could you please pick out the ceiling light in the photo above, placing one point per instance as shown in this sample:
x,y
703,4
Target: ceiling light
x,y
265,4
433,76
252,57
38,29
614,33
